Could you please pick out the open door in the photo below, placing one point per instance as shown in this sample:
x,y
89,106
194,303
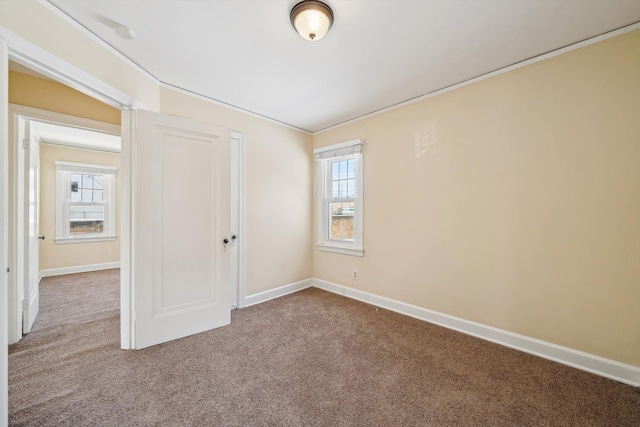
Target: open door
x,y
31,301
181,221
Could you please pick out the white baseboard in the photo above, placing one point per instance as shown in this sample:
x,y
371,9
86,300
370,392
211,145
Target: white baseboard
x,y
608,368
78,269
277,292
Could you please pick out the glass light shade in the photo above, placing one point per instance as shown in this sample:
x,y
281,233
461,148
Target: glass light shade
x,y
311,19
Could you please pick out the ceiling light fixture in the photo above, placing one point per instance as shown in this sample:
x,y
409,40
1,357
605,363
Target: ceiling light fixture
x,y
311,19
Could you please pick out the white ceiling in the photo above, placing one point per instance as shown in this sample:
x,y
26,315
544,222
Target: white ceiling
x,y
379,52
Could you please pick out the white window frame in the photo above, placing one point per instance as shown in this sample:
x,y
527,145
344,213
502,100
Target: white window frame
x,y
63,189
324,157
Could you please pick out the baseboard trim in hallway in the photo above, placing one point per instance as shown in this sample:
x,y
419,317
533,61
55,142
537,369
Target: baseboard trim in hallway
x,y
78,269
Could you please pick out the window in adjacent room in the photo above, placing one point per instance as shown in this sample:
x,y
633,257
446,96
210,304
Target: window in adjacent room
x,y
85,202
340,198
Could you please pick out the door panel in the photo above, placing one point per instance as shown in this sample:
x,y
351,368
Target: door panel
x,y
186,250
32,211
182,216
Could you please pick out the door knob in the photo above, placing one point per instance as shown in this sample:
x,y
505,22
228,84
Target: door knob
x,y
41,237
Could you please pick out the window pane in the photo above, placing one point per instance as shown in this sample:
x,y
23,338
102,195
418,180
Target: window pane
x,y
86,219
343,177
87,181
341,215
351,169
98,196
343,189
351,188
98,182
87,196
75,182
343,169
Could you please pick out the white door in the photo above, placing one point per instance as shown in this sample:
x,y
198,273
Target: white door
x,y
181,219
31,302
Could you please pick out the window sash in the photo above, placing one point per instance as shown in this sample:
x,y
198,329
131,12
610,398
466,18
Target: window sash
x,y
69,220
331,216
64,204
326,157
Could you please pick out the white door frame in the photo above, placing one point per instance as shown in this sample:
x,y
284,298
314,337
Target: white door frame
x,y
237,219
4,230
17,114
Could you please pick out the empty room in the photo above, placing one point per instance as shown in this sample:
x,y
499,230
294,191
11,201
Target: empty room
x,y
354,213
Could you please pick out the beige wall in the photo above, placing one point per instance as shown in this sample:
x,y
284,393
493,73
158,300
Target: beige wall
x,y
54,255
513,202
48,95
278,192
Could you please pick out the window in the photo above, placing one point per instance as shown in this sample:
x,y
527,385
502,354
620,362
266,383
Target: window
x,y
340,198
85,203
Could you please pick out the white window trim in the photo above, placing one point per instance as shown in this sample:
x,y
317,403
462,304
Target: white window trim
x,y
63,184
349,149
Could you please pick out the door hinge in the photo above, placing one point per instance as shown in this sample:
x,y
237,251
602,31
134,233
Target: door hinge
x,y
25,144
25,304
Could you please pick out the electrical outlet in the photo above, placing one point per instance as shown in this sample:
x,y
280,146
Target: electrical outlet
x,y
355,274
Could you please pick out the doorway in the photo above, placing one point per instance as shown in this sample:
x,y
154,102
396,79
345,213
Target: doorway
x,y
65,141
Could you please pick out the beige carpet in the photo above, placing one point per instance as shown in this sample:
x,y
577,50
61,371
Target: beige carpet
x,y
308,359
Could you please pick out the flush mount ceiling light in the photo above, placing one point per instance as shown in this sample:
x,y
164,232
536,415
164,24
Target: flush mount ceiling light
x,y
311,19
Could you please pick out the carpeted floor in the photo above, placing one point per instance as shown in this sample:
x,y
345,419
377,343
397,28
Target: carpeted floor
x,y
308,359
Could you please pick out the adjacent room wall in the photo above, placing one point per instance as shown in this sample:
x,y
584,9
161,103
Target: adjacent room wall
x,y
278,191
52,255
513,202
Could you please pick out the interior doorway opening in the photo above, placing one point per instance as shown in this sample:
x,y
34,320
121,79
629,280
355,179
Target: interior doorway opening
x,y
37,248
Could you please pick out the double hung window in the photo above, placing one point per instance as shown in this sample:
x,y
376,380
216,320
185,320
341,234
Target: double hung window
x,y
340,198
85,202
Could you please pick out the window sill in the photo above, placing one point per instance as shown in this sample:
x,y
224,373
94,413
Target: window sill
x,y
340,250
65,241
